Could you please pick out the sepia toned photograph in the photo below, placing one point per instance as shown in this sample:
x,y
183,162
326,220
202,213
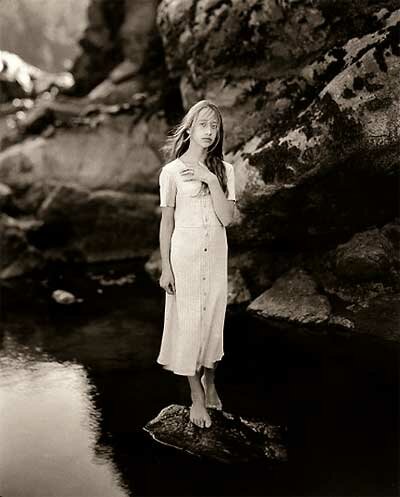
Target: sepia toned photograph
x,y
199,248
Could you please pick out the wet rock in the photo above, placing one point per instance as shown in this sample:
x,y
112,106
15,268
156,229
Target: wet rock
x,y
293,299
64,297
230,439
367,256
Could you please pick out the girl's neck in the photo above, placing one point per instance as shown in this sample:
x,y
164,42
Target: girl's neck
x,y
195,153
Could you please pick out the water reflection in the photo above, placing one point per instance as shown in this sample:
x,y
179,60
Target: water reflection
x,y
49,428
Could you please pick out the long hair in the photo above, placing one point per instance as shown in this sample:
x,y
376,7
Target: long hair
x,y
178,142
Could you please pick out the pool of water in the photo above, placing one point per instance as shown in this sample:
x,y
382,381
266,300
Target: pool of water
x,y
77,384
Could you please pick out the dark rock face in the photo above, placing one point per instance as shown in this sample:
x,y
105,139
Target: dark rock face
x,y
117,31
101,48
230,439
367,256
17,255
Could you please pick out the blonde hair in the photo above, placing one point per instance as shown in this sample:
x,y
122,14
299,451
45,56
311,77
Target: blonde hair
x,y
178,142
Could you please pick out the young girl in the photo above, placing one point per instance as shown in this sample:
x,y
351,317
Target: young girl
x,y
197,196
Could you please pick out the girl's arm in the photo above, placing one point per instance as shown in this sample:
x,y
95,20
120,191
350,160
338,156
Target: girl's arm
x,y
167,226
223,207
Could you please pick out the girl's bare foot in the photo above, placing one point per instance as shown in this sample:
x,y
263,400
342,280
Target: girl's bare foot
x,y
198,412
212,398
199,415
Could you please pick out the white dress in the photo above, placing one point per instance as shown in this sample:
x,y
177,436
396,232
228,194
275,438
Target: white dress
x,y
194,316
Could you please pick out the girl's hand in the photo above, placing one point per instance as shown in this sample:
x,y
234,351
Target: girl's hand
x,y
167,281
199,173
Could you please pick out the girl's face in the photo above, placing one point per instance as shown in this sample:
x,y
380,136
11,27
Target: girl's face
x,y
204,129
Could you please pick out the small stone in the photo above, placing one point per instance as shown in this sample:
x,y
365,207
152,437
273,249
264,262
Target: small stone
x,y
63,297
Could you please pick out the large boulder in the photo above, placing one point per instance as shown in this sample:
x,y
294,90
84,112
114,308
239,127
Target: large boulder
x,y
97,226
334,172
120,154
367,256
249,56
293,299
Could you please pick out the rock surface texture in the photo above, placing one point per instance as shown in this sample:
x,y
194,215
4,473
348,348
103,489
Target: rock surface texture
x,y
230,439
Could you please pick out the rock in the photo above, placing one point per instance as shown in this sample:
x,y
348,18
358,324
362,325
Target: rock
x,y
64,201
18,79
311,171
18,257
392,232
120,155
64,297
367,256
111,93
341,322
238,293
259,83
230,439
5,194
101,50
293,299
126,70
100,226
138,32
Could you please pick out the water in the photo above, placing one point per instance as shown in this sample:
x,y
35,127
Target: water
x,y
78,383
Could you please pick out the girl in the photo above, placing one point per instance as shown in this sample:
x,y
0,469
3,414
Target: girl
x,y
197,196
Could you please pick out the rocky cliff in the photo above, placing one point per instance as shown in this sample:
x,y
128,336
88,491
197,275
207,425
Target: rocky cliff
x,y
310,99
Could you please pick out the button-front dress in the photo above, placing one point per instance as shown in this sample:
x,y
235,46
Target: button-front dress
x,y
194,316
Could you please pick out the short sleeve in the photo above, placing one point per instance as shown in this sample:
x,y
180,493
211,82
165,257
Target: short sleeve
x,y
167,188
230,177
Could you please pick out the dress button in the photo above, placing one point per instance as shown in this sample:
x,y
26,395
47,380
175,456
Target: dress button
x,y
204,308
205,250
204,277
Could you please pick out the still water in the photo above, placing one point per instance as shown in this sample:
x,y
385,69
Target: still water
x,y
77,383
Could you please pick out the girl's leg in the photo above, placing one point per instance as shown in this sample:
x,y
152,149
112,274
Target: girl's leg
x,y
198,412
207,380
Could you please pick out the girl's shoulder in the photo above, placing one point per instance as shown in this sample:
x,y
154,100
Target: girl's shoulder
x,y
171,166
